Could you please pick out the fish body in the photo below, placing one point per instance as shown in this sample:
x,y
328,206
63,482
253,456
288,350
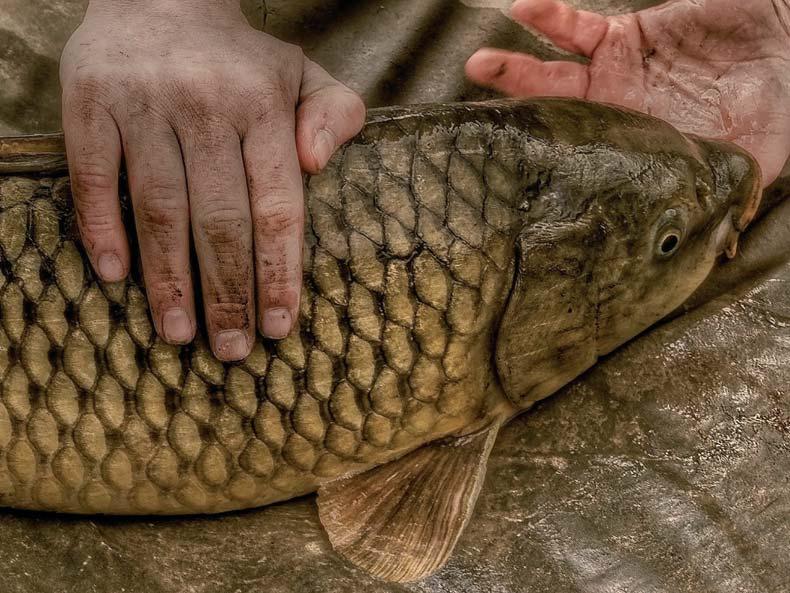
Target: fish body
x,y
461,263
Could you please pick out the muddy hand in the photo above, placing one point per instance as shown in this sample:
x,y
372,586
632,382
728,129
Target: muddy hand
x,y
717,68
213,119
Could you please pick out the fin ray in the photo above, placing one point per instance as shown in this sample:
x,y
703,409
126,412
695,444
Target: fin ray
x,y
401,521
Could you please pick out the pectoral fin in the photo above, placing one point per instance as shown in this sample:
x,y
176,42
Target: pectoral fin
x,y
401,521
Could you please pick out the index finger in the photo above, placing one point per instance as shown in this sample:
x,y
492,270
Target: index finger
x,y
93,146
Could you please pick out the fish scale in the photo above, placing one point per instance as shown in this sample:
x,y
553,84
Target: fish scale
x,y
408,261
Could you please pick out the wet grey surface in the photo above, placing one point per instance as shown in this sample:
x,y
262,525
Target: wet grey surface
x,y
664,469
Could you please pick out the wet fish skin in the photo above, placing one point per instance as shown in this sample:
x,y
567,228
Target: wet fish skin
x,y
420,317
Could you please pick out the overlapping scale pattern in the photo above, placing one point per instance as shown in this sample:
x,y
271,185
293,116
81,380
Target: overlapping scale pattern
x,y
408,262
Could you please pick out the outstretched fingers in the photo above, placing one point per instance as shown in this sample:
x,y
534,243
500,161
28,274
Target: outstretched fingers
x,y
521,75
577,31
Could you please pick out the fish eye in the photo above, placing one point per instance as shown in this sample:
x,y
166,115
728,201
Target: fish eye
x,y
670,234
669,243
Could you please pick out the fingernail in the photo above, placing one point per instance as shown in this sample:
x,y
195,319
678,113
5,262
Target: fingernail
x,y
323,147
176,326
231,345
110,268
277,323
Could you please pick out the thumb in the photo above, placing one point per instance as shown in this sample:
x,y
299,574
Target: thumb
x,y
329,115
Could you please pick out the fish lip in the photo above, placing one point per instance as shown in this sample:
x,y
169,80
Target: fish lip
x,y
748,206
743,212
747,211
731,243
726,236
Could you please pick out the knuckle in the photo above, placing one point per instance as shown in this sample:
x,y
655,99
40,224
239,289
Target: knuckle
x,y
92,180
142,104
276,217
279,277
267,98
205,101
88,83
96,224
218,212
208,135
199,109
87,93
222,223
294,63
293,53
228,305
267,102
228,288
159,210
165,285
232,311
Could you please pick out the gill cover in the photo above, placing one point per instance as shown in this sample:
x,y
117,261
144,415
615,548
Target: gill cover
x,y
548,332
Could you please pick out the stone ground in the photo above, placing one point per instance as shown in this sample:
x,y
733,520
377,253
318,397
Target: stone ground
x,y
664,469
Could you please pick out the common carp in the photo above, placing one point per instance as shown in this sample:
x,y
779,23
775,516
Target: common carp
x,y
462,262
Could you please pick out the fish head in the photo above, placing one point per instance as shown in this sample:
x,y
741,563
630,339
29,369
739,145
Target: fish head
x,y
662,241
618,234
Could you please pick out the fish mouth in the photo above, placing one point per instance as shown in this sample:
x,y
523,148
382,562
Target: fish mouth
x,y
746,210
738,183
727,237
743,212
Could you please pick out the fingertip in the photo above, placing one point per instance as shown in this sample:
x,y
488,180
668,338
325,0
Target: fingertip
x,y
177,328
277,323
231,345
105,243
577,31
111,267
485,65
278,308
525,11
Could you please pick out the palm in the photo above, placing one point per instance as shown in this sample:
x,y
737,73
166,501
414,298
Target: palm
x,y
717,68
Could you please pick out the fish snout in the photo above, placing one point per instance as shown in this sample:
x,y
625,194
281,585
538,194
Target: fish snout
x,y
738,190
747,193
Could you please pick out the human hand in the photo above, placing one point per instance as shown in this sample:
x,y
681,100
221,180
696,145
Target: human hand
x,y
716,68
213,119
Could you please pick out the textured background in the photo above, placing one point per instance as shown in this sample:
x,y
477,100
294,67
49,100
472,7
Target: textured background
x,y
664,469
390,51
